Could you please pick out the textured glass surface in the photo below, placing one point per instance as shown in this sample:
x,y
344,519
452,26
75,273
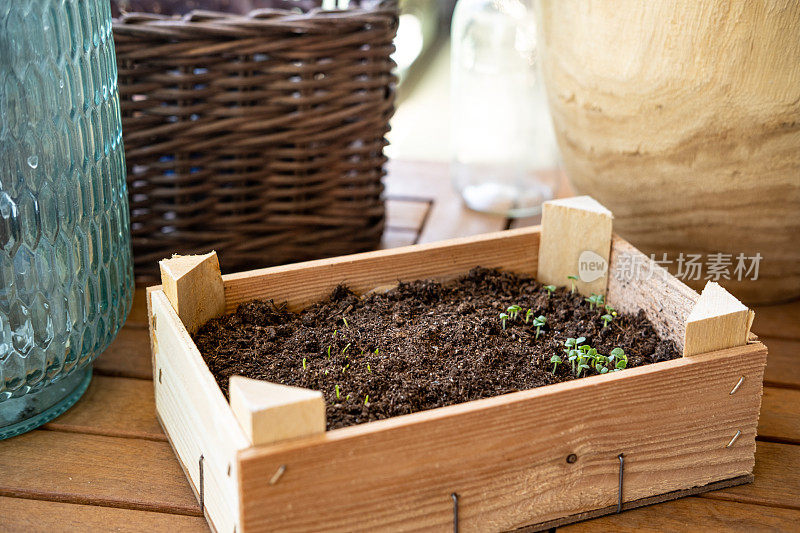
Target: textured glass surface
x,y
65,265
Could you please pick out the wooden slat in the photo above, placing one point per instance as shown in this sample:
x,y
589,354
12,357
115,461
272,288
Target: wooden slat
x,y
405,468
779,321
24,515
117,407
138,313
693,514
406,213
666,301
780,415
128,356
110,471
394,238
193,285
301,284
783,362
197,419
777,478
447,217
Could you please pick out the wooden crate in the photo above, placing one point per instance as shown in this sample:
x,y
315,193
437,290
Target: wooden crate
x,y
635,437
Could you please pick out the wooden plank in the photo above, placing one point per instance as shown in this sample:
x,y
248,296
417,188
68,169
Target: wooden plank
x,y
447,218
635,282
404,469
302,284
193,285
128,356
138,313
394,238
196,418
406,213
777,478
718,320
110,471
269,412
576,241
780,415
778,321
24,515
695,514
117,407
783,362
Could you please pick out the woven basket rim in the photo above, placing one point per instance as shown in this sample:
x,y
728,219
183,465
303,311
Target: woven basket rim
x,y
256,17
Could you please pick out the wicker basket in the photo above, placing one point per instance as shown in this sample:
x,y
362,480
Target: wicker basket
x,y
259,136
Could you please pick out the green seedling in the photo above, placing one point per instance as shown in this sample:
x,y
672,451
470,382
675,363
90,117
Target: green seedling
x,y
376,351
503,318
610,310
606,319
329,352
538,323
550,289
596,300
344,319
619,358
369,369
345,348
572,280
347,397
528,315
556,360
337,391
304,363
571,349
513,311
366,399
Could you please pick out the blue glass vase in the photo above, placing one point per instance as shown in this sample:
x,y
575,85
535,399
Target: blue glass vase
x,y
66,278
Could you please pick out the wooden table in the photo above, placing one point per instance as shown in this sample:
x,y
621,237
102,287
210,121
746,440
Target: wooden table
x,y
106,464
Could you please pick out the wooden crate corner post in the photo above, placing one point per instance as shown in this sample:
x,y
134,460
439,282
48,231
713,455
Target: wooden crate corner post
x,y
269,412
717,321
575,241
193,285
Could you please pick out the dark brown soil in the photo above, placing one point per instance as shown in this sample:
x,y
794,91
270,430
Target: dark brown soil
x,y
419,346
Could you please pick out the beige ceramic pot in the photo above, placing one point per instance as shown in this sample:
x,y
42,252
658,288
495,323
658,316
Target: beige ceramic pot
x,y
683,118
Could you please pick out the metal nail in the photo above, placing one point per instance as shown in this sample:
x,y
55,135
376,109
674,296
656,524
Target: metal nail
x,y
738,432
277,475
739,384
455,512
621,458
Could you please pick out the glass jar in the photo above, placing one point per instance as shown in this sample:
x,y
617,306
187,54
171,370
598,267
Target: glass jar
x,y
504,149
66,279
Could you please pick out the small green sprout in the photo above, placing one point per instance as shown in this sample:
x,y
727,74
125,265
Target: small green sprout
x,y
606,319
337,391
513,311
366,399
572,280
376,351
329,352
539,322
304,363
503,318
326,372
345,348
550,289
556,360
595,300
369,369
335,332
528,315
347,397
344,319
610,310
621,360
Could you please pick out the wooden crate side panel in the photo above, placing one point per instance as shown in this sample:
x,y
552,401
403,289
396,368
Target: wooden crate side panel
x,y
195,415
302,284
665,300
506,457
